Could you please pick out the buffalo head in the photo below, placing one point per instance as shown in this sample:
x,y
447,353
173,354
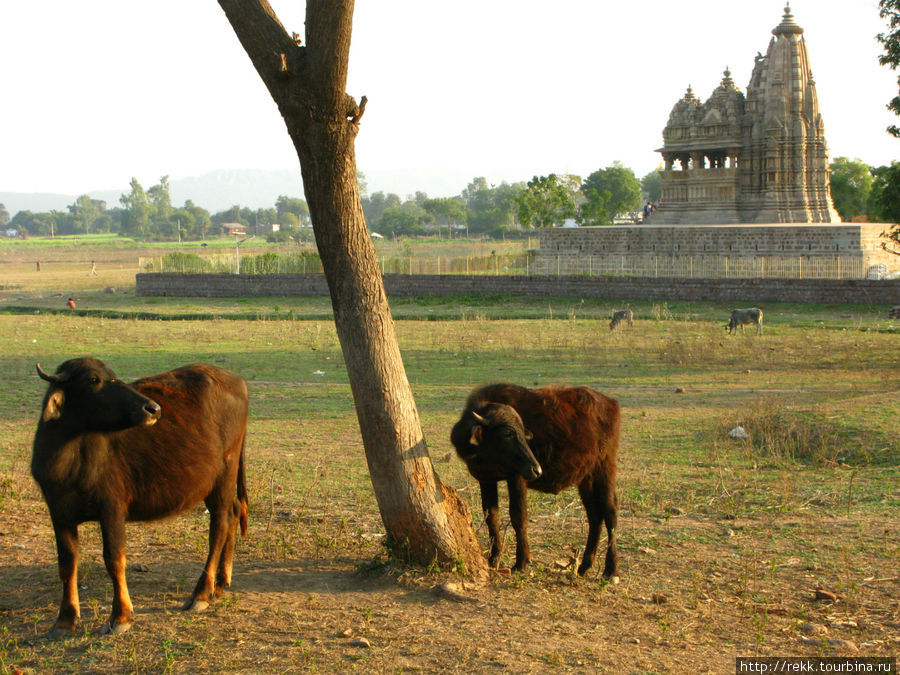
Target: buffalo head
x,y
498,442
87,396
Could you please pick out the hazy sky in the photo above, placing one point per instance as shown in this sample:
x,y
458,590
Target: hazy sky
x,y
97,91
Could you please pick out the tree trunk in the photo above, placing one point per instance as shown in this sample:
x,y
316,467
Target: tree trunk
x,y
425,520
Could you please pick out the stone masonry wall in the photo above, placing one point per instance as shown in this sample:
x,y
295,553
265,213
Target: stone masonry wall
x,y
845,239
739,291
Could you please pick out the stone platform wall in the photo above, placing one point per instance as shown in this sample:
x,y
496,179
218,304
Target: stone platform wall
x,y
739,291
826,240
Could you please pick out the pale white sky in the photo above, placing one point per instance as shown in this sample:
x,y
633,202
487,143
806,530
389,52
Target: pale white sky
x,y
97,91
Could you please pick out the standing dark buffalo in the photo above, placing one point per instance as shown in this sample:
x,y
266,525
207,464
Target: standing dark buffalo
x,y
114,452
545,439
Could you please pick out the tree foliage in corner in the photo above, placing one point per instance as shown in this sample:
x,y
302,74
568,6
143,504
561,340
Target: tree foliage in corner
x,y
890,10
886,201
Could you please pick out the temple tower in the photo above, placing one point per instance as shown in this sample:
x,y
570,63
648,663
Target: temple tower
x,y
759,158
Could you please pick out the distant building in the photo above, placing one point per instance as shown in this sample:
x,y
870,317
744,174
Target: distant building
x,y
759,158
234,229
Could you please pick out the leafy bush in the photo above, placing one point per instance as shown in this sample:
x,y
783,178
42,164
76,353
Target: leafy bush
x,y
185,263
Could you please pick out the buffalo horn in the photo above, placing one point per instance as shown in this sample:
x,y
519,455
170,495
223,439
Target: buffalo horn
x,y
478,418
52,379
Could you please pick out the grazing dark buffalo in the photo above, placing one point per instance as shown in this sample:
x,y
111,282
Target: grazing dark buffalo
x,y
114,452
623,315
545,439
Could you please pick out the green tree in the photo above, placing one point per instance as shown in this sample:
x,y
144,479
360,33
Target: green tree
x,y
595,209
235,214
447,211
651,186
295,205
4,215
886,196
890,10
183,220
407,219
609,193
158,195
25,221
201,220
851,187
885,177
375,205
491,208
85,211
546,201
136,210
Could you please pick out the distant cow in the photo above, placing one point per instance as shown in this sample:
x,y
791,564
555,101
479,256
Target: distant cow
x,y
894,312
112,452
625,315
545,439
740,317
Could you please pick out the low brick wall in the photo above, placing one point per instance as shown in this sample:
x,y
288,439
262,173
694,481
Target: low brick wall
x,y
743,291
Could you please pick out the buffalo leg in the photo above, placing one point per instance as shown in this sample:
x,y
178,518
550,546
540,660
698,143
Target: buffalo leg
x,y
491,509
219,525
518,516
599,499
112,525
67,555
226,560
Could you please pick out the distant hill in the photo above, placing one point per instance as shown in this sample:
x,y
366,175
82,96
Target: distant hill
x,y
214,191
256,188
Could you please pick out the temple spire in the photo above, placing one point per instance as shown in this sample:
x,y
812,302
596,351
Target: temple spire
x,y
726,80
787,26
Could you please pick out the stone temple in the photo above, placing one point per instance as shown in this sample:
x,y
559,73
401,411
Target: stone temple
x,y
745,191
754,158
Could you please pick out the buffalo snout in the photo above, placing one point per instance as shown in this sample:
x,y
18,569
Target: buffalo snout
x,y
153,411
533,471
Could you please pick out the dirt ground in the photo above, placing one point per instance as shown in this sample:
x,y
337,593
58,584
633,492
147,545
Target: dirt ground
x,y
313,595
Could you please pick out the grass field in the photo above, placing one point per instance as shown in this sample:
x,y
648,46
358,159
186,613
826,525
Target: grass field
x,y
723,542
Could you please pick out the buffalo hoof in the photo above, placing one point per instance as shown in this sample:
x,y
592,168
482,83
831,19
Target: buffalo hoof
x,y
194,605
58,632
117,628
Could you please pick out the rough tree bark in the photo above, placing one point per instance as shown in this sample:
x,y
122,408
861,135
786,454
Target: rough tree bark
x,y
424,518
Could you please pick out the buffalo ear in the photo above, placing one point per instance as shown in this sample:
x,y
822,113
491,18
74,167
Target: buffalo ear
x,y
53,409
475,439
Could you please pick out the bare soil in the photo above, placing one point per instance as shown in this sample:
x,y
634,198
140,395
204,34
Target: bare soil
x,y
317,594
